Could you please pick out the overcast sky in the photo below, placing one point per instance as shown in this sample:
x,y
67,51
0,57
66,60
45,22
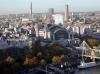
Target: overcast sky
x,y
22,6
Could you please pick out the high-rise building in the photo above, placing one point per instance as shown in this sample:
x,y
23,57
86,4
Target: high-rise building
x,y
31,12
66,18
51,11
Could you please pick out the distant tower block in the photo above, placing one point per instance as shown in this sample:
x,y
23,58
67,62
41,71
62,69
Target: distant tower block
x,y
51,11
66,13
31,11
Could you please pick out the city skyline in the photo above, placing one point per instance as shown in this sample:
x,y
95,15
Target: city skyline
x,y
23,6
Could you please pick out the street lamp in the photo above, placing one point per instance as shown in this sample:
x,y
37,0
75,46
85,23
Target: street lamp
x,y
62,66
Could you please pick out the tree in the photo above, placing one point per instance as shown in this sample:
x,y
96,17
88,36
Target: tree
x,y
30,61
43,62
39,55
55,46
56,59
62,57
26,61
10,60
92,42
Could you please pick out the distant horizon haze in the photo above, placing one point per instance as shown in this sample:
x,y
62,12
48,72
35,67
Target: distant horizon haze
x,y
23,6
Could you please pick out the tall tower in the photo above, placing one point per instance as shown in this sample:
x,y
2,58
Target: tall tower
x,y
66,17
31,11
51,11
